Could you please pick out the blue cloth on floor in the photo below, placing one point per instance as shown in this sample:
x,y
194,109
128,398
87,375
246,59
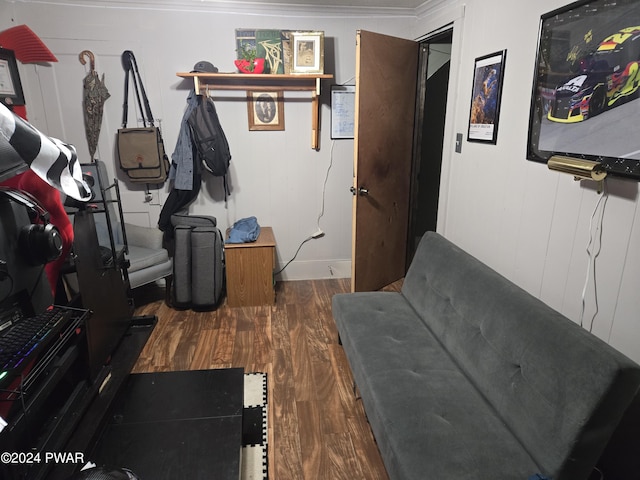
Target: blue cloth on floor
x,y
244,230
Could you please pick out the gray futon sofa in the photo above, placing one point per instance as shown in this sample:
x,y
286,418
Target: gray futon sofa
x,y
463,375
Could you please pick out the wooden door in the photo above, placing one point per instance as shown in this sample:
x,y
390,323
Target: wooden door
x,y
386,74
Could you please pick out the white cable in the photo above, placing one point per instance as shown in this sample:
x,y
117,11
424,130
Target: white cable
x,y
320,215
622,273
593,254
324,185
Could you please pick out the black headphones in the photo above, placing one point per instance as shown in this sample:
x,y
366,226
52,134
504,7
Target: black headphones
x,y
39,242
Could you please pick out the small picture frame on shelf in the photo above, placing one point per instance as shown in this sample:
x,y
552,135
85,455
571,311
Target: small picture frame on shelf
x,y
307,52
265,110
10,86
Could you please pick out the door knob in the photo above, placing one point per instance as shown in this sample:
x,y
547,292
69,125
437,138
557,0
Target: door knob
x,y
360,191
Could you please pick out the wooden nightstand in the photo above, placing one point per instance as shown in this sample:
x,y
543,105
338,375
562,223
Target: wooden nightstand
x,y
249,268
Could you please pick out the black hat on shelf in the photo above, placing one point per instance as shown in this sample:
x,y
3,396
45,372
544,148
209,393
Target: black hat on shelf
x,y
204,67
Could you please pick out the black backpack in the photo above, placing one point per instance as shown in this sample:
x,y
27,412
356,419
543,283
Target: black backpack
x,y
209,138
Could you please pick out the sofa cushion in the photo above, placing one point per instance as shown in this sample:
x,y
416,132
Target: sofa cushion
x,y
428,419
560,390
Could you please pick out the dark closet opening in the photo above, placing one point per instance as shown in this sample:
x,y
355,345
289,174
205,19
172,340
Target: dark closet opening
x,y
433,83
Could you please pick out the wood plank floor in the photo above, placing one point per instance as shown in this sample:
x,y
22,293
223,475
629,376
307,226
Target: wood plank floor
x,y
317,427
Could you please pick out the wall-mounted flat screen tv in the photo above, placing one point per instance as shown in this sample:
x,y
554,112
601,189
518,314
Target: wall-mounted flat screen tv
x,y
586,90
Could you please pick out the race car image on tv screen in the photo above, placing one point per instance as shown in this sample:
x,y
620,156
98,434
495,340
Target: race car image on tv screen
x,y
607,77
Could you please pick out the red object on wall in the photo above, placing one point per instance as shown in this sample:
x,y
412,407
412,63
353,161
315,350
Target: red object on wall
x,y
26,44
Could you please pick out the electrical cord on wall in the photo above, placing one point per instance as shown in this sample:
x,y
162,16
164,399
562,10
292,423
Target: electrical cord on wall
x,y
294,256
319,233
593,250
324,186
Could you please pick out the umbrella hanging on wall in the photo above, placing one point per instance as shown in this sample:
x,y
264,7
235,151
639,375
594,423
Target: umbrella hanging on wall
x,y
94,95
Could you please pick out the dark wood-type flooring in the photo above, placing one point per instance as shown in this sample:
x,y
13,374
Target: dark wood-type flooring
x,y
317,426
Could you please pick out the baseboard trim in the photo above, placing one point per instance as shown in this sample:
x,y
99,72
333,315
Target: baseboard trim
x,y
315,270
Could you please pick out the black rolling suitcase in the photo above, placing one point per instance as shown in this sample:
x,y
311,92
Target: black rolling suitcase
x,y
198,263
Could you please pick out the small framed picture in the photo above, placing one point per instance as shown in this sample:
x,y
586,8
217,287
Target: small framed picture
x,y
307,52
265,110
10,87
488,75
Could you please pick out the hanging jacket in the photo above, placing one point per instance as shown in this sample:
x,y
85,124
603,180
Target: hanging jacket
x,y
185,172
182,160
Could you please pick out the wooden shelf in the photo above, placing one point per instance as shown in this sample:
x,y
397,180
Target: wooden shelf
x,y
255,82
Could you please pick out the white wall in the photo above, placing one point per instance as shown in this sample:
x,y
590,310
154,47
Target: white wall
x,y
531,224
275,176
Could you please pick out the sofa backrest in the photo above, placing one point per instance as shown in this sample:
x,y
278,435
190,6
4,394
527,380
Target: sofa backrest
x,y
560,389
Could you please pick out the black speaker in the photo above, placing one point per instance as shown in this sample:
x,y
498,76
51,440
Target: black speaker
x,y
40,241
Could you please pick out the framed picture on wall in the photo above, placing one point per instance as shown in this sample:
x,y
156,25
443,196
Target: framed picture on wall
x,y
265,110
586,86
488,76
307,52
10,87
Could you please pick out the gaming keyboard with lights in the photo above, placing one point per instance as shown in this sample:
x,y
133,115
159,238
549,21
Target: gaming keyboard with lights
x,y
26,338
